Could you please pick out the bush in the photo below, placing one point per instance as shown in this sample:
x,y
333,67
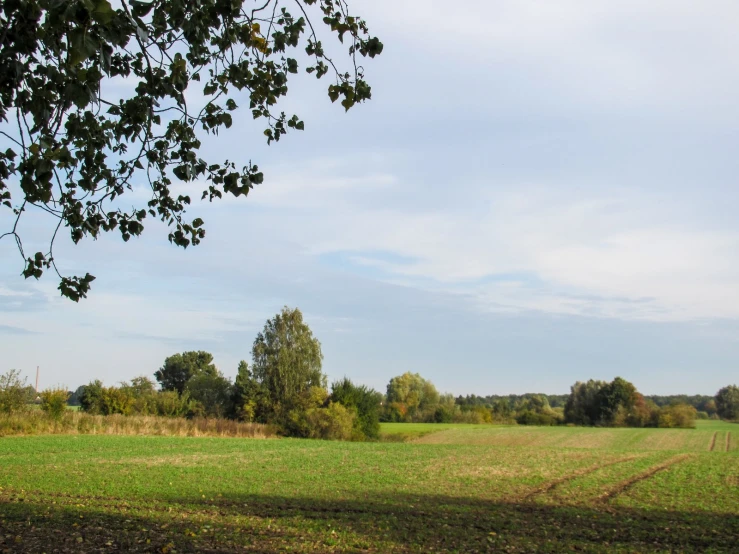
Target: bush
x,y
335,422
54,402
678,415
366,404
116,401
13,395
701,415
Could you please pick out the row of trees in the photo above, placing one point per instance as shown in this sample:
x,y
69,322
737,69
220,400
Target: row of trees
x,y
284,387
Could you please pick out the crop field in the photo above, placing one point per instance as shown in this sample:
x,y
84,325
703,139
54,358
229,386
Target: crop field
x,y
459,489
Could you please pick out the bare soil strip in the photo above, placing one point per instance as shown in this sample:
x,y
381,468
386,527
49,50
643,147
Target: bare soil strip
x,y
627,484
728,440
547,487
713,442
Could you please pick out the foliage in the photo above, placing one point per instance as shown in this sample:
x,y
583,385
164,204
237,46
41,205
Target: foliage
x,y
213,391
115,400
247,394
178,369
286,363
614,404
366,403
677,415
727,403
77,142
54,402
13,396
582,407
411,398
91,398
334,422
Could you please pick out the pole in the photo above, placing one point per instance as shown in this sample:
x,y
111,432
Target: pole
x,y
37,371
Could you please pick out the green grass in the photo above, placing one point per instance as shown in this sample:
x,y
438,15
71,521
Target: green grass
x,y
162,494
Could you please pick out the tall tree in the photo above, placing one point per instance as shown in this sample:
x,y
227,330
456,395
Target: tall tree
x,y
286,360
582,406
727,403
75,141
178,369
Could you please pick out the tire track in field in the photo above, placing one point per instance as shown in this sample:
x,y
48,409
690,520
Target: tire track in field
x,y
713,442
634,480
728,440
551,485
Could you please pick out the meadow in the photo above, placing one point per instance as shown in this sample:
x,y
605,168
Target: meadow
x,y
452,488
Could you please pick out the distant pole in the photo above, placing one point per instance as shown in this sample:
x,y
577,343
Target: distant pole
x,y
37,370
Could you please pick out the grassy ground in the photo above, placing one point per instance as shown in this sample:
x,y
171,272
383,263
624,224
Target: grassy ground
x,y
164,494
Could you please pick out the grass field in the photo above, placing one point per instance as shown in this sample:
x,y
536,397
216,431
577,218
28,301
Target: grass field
x,y
461,489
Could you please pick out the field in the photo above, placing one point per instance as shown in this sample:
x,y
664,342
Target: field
x,y
459,489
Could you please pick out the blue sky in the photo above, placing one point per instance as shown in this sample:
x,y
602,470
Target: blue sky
x,y
538,193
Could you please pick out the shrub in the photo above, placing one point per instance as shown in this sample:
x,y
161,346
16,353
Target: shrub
x,y
366,404
13,395
116,401
54,402
335,422
701,415
677,415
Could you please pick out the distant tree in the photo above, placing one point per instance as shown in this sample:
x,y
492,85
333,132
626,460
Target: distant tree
x,y
54,402
213,391
727,403
116,400
74,397
91,398
616,400
286,362
582,406
246,394
414,395
365,401
13,396
677,415
178,369
140,386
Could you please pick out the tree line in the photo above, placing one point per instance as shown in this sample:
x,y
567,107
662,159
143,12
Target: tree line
x,y
285,387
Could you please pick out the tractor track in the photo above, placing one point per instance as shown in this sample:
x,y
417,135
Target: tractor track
x,y
728,440
713,442
551,485
629,483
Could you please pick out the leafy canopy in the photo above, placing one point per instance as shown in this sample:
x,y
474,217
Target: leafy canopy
x,y
286,361
72,143
178,369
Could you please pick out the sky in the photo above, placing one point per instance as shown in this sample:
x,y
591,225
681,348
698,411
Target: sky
x,y
537,193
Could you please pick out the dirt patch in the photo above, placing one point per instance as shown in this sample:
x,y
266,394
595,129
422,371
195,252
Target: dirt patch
x,y
712,445
629,483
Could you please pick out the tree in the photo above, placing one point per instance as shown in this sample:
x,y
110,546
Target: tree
x,y
178,369
91,398
247,394
286,362
727,403
412,395
364,401
54,402
13,396
76,147
213,391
